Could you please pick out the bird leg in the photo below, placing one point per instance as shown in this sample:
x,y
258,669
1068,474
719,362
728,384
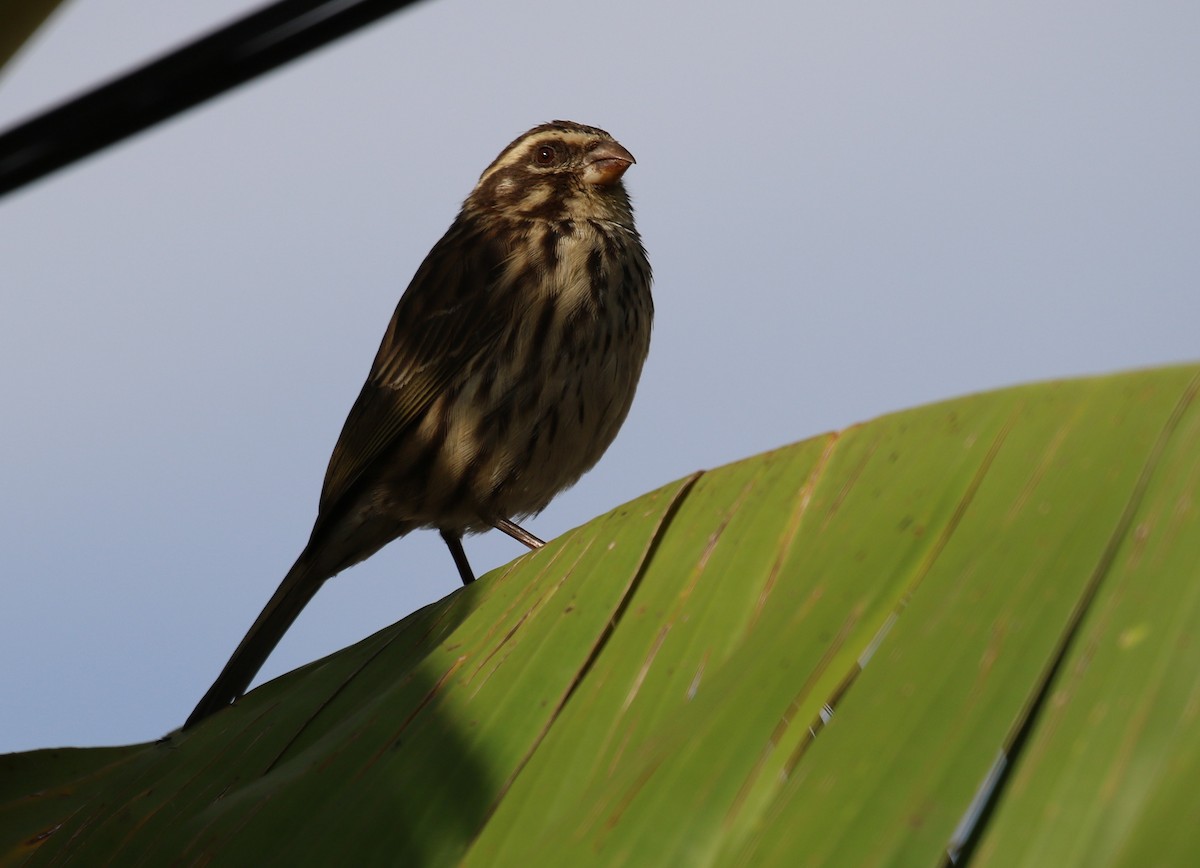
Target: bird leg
x,y
517,532
454,543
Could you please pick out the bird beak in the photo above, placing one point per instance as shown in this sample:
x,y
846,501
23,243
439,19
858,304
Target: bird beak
x,y
606,163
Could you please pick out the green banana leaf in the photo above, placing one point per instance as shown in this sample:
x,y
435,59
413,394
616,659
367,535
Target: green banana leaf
x,y
966,632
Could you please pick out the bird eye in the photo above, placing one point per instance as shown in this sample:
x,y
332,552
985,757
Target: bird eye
x,y
545,155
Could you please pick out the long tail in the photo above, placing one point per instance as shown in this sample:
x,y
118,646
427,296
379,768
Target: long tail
x,y
298,587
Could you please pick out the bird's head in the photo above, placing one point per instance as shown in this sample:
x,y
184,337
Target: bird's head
x,y
557,171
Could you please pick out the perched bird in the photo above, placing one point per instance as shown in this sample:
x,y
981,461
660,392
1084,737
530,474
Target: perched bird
x,y
505,372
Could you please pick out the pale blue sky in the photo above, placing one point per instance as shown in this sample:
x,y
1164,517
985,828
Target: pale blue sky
x,y
851,208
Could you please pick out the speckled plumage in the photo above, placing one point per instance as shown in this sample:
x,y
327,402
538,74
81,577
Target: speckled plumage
x,y
509,365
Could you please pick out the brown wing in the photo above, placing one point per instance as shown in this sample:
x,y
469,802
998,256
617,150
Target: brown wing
x,y
453,311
